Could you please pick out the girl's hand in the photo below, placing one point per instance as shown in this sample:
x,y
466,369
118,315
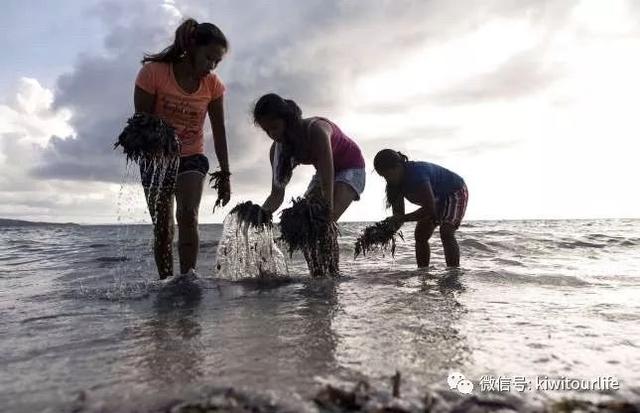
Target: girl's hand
x,y
225,192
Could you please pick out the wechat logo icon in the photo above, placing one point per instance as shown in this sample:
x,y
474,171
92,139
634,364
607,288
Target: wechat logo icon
x,y
457,381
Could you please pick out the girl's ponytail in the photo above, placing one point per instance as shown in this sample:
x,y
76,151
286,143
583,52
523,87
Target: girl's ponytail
x,y
188,35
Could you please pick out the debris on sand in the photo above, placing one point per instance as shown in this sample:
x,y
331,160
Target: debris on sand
x,y
148,137
364,397
253,215
228,400
380,234
217,180
609,406
306,226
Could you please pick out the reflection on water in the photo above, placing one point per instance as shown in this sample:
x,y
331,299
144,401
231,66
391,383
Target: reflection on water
x,y
174,353
406,322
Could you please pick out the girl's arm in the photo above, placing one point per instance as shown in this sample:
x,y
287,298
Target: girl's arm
x,y
216,117
427,203
143,101
276,197
320,147
398,206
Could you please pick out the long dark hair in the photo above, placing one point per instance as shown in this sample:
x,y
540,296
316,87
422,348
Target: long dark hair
x,y
387,159
204,34
272,105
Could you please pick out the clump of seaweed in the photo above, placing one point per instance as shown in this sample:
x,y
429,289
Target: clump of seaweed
x,y
380,234
148,137
217,180
252,215
307,227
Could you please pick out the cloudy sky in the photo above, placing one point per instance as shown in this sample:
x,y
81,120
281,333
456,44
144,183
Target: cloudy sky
x,y
531,101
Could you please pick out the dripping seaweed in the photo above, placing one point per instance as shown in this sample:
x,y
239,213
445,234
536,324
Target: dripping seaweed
x,y
303,223
381,234
216,181
307,227
253,215
148,137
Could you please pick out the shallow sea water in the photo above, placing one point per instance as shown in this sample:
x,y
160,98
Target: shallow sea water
x,y
82,313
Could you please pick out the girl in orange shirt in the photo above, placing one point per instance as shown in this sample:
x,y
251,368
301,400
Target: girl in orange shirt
x,y
179,86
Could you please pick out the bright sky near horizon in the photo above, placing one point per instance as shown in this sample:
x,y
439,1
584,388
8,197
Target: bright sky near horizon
x,y
532,102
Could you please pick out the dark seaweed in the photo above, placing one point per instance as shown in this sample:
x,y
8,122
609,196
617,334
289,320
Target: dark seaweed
x,y
252,215
148,137
216,181
379,234
307,227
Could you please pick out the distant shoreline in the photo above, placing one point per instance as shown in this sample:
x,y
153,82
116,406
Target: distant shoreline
x,y
22,223
469,223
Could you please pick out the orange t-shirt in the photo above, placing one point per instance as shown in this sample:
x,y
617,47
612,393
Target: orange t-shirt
x,y
184,111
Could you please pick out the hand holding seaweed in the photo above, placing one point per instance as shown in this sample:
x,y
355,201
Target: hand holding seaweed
x,y
380,234
304,223
219,181
147,136
307,227
252,215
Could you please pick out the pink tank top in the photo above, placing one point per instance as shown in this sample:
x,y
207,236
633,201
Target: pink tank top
x,y
346,153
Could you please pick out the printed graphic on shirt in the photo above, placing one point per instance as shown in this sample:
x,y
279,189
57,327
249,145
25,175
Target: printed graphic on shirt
x,y
186,117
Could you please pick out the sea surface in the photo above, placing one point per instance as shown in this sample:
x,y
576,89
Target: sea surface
x,y
83,316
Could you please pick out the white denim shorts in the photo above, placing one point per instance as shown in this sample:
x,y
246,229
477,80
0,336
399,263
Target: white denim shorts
x,y
355,178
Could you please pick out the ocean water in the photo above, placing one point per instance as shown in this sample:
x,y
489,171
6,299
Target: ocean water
x,y
83,317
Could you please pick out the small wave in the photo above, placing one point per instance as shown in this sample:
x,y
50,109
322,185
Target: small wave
x,y
505,261
471,243
53,316
613,240
116,292
580,244
98,245
499,232
209,244
112,259
508,277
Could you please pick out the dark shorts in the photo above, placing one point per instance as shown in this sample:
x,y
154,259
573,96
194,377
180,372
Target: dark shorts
x,y
154,177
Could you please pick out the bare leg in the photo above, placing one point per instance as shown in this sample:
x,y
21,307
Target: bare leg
x,y
450,245
188,195
424,230
160,204
343,196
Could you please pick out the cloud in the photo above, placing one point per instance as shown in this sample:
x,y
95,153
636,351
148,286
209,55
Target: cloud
x,y
28,111
28,118
522,75
99,94
439,80
313,52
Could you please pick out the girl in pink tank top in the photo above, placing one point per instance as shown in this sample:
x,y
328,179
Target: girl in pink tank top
x,y
340,173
